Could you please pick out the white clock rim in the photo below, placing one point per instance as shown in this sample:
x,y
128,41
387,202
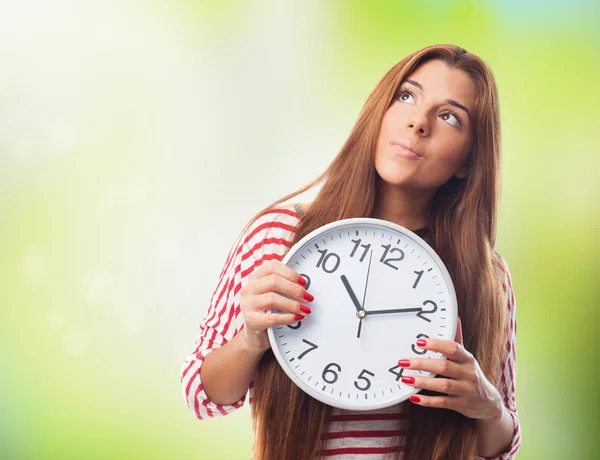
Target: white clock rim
x,y
352,222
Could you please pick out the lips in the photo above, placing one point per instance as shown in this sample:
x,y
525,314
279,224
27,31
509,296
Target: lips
x,y
409,147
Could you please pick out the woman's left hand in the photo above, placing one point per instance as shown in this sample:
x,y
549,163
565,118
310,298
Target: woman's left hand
x,y
468,390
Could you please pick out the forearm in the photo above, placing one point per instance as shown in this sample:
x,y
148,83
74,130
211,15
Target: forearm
x,y
227,371
494,436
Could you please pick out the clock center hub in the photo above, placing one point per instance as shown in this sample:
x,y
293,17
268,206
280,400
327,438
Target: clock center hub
x,y
361,314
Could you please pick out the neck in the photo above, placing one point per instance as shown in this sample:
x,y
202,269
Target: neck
x,y
408,208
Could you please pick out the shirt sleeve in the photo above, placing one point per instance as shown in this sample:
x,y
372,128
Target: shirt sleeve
x,y
224,318
508,376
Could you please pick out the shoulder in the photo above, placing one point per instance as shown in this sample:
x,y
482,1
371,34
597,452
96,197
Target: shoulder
x,y
271,232
507,287
280,219
502,268
301,208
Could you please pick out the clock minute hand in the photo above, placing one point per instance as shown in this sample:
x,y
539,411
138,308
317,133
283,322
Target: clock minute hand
x,y
362,313
367,280
351,293
398,310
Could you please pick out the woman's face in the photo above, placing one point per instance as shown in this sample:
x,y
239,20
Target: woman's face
x,y
430,115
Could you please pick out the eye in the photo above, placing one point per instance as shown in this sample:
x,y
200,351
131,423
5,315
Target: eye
x,y
446,116
403,95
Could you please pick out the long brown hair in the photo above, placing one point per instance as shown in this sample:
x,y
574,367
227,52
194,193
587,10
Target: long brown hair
x,y
289,424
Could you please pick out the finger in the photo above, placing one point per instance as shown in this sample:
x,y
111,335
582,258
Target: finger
x,y
276,267
261,321
448,386
276,283
442,402
459,336
449,348
273,300
443,367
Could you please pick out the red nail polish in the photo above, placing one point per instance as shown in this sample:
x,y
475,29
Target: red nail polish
x,y
408,379
404,363
421,343
301,281
415,399
308,297
305,309
298,317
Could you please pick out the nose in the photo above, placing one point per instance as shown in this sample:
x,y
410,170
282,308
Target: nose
x,y
418,124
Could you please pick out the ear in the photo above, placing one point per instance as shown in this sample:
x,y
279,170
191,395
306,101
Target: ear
x,y
461,173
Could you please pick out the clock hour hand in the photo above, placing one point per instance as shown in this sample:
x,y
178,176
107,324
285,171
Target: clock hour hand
x,y
398,310
351,293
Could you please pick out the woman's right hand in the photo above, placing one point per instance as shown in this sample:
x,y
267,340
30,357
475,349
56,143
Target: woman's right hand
x,y
262,293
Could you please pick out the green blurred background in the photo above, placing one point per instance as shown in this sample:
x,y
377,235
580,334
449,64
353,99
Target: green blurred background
x,y
137,138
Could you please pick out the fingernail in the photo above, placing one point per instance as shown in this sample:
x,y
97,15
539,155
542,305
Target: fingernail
x,y
298,317
301,281
305,309
421,343
308,297
415,399
404,363
408,379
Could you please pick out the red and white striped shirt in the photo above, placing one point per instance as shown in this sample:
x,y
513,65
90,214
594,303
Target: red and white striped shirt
x,y
352,435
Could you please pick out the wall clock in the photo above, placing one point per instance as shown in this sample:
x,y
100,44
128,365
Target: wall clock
x,y
378,287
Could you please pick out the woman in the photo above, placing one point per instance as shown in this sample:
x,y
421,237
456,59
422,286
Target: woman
x,y
425,154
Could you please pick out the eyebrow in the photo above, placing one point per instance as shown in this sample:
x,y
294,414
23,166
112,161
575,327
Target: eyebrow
x,y
449,101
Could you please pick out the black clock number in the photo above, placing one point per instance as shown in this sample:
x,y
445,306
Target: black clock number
x,y
427,312
307,278
361,376
366,246
299,323
388,261
329,371
419,274
312,347
397,374
325,257
414,349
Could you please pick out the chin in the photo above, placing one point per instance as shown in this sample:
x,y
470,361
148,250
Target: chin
x,y
396,178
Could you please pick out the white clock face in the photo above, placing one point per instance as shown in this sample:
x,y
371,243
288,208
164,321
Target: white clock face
x,y
408,294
